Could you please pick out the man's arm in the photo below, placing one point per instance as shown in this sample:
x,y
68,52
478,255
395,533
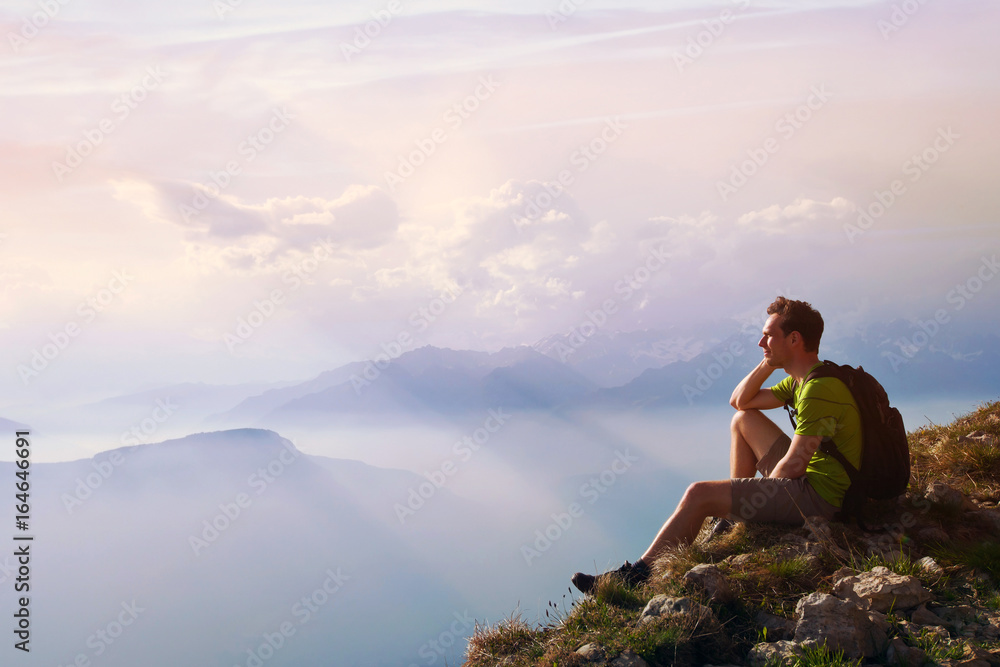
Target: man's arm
x,y
748,394
793,464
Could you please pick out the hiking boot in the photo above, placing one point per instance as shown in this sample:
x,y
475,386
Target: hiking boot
x,y
721,527
632,574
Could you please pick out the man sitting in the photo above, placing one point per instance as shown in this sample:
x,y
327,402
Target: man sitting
x,y
799,480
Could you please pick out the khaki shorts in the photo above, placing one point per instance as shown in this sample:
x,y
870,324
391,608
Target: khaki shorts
x,y
779,500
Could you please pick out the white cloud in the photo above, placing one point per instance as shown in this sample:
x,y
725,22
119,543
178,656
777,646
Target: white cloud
x,y
777,219
248,236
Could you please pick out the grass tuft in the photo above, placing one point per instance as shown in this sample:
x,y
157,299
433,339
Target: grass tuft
x,y
613,591
937,649
511,636
821,656
984,556
899,562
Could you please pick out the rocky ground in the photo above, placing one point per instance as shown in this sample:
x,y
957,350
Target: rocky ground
x,y
922,589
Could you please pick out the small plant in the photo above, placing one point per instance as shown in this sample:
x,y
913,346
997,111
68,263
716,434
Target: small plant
x,y
656,638
938,649
821,656
792,568
510,636
895,622
900,563
817,656
612,591
556,615
983,556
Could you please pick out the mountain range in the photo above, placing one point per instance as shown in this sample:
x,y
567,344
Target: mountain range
x,y
607,371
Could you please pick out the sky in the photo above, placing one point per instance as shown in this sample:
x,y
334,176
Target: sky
x,y
239,191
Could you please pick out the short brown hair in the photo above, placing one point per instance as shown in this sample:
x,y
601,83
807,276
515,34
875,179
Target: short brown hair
x,y
798,316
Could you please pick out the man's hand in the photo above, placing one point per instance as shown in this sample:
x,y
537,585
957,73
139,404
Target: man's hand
x,y
748,394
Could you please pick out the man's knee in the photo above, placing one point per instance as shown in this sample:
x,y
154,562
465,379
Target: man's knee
x,y
742,417
695,490
703,495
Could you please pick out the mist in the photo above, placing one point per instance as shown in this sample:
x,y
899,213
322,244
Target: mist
x,y
362,544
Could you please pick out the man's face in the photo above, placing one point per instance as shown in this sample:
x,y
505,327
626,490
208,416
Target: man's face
x,y
774,343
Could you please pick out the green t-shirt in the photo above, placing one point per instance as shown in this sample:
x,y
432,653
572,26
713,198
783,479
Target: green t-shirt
x,y
827,409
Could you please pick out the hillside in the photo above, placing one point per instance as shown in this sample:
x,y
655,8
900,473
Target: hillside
x,y
925,589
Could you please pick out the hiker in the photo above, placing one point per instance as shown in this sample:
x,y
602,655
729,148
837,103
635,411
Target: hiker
x,y
799,479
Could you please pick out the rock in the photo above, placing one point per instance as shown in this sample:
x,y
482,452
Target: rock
x,y
783,653
739,559
938,632
923,616
794,539
880,589
979,653
933,534
883,546
898,652
818,527
778,628
930,566
664,606
991,628
710,579
842,624
629,659
879,622
981,437
798,546
943,495
961,612
955,618
842,573
989,518
901,654
592,652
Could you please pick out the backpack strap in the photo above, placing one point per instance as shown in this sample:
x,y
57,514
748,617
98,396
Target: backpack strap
x,y
854,498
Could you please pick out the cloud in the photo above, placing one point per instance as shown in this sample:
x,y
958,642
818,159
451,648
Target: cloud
x,y
521,247
257,235
777,219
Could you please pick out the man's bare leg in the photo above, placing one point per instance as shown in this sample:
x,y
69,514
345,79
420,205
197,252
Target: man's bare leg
x,y
700,501
752,436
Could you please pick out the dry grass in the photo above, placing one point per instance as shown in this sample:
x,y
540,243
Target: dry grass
x,y
491,644
947,453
